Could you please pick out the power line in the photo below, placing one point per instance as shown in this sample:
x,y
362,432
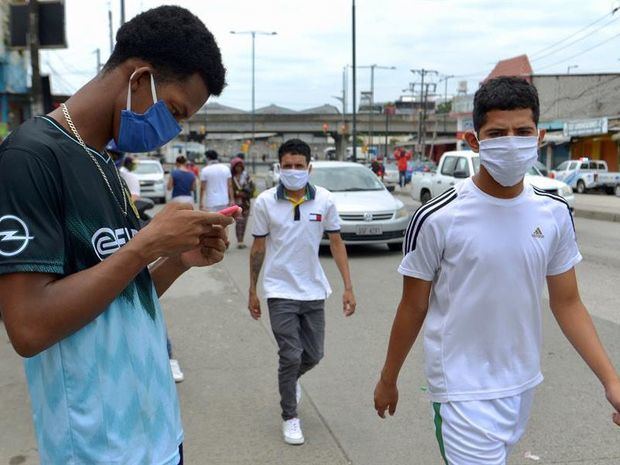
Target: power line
x,y
578,39
575,33
580,53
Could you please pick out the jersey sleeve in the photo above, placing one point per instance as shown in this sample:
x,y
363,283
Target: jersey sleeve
x,y
566,254
260,227
331,223
31,232
422,250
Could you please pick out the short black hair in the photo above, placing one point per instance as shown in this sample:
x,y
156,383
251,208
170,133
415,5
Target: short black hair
x,y
211,155
175,42
505,93
181,160
295,147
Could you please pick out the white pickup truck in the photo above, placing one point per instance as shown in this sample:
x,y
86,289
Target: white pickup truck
x,y
456,166
586,174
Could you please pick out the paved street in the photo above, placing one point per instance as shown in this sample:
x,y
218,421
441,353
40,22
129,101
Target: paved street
x,y
230,402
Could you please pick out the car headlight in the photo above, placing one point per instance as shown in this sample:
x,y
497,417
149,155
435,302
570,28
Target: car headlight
x,y
159,182
566,191
402,212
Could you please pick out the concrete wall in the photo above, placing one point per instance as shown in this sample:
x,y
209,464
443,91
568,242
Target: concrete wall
x,y
577,96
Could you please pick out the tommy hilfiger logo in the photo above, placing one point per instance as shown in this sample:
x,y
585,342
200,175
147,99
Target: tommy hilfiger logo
x,y
538,234
316,217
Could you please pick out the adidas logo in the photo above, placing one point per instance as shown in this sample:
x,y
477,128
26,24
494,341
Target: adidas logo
x,y
538,234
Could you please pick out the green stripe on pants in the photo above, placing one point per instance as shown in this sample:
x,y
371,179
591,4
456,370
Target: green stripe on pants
x,y
438,422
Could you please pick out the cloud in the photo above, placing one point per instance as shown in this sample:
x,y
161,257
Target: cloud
x,y
302,65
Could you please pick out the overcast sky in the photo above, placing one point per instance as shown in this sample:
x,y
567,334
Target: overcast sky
x,y
302,66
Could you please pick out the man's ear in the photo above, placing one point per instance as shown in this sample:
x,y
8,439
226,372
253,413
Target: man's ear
x,y
138,75
541,136
472,140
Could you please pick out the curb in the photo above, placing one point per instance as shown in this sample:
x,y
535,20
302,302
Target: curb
x,y
597,215
578,212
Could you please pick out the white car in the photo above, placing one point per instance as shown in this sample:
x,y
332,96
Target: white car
x,y
369,214
456,166
152,179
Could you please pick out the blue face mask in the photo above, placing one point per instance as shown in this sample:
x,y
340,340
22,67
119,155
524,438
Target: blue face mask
x,y
140,133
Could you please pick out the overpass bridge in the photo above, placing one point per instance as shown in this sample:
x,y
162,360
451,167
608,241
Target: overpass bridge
x,y
216,119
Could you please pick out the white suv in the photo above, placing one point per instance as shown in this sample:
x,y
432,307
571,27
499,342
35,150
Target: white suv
x,y
152,180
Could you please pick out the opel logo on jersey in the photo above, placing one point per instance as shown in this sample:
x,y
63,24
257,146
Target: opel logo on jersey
x,y
14,236
368,217
106,241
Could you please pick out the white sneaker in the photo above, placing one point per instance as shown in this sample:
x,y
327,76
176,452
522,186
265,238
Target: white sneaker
x,y
291,429
177,374
298,393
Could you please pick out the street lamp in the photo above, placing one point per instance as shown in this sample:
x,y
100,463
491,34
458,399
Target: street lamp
x,y
372,96
253,34
571,67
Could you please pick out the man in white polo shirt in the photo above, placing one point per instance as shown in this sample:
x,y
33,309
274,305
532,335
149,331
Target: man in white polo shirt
x,y
476,261
289,222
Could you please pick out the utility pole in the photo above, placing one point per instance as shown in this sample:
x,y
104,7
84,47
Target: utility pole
x,y
411,90
445,98
423,96
354,128
122,12
372,97
98,53
110,29
253,34
33,37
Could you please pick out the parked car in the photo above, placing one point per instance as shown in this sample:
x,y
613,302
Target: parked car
x,y
456,166
369,214
152,179
585,174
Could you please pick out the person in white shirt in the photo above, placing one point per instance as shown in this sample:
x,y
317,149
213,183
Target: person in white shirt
x,y
475,262
289,222
216,192
130,178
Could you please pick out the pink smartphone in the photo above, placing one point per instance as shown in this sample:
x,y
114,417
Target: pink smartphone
x,y
231,211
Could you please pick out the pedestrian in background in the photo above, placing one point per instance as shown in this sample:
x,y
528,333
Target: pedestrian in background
x,y
243,192
216,184
289,223
182,182
402,158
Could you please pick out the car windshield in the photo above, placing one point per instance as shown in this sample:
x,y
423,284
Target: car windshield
x,y
346,179
148,168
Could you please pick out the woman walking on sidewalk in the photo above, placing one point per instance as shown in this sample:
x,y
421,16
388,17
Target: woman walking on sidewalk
x,y
182,182
243,191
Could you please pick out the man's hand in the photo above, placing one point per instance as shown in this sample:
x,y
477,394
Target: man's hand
x,y
348,303
612,391
386,398
254,306
178,229
210,251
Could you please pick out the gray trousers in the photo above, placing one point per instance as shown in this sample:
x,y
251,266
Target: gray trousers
x,y
299,329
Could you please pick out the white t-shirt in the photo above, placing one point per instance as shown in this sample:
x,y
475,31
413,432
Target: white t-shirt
x,y
216,176
292,269
488,259
132,181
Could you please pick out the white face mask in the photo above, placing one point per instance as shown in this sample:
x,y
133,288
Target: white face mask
x,y
507,159
294,180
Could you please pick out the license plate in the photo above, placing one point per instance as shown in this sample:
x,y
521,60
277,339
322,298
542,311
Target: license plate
x,y
369,230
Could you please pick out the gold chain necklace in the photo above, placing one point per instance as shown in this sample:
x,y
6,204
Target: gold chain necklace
x,y
124,207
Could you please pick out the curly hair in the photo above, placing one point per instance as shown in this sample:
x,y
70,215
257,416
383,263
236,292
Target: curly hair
x,y
175,42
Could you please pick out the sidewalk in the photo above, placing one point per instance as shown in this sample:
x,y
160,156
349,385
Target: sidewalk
x,y
592,206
